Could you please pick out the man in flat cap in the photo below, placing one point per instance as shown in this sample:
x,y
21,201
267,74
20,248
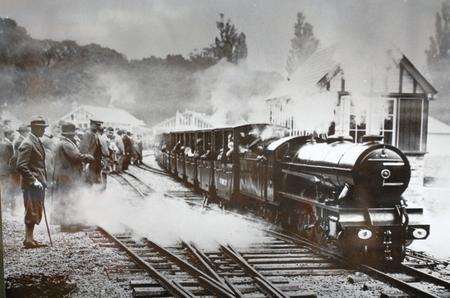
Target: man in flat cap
x,y
104,145
112,148
128,150
68,168
31,165
90,144
120,154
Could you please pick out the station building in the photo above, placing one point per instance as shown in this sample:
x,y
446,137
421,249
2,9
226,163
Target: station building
x,y
187,120
114,117
400,89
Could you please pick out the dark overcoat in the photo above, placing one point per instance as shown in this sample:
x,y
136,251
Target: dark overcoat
x,y
68,163
90,144
31,161
6,157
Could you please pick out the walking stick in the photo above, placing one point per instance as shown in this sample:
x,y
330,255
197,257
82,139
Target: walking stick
x,y
46,224
51,201
52,190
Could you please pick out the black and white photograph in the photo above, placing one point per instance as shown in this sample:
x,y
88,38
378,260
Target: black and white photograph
x,y
225,148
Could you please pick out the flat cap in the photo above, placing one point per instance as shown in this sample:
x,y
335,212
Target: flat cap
x,y
68,128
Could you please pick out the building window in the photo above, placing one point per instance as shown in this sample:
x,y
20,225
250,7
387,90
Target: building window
x,y
357,127
374,119
388,126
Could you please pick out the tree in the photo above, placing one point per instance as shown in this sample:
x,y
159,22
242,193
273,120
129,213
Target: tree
x,y
303,44
440,42
432,53
230,44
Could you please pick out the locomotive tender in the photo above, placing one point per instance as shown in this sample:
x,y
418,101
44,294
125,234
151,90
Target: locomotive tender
x,y
333,190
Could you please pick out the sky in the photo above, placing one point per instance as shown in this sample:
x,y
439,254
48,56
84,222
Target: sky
x,y
141,28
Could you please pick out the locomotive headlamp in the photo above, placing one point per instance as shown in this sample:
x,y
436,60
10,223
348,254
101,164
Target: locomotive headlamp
x,y
364,234
419,233
385,173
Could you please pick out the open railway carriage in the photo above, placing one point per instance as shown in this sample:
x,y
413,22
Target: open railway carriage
x,y
330,189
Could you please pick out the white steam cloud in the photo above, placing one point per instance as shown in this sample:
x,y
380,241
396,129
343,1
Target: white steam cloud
x,y
236,93
164,220
118,88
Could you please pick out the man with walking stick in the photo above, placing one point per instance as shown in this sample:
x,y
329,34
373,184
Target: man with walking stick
x,y
31,166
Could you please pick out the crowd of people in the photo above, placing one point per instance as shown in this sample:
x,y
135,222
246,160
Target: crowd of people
x,y
222,153
60,163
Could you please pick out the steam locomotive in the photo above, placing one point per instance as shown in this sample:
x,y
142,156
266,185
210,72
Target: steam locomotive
x,y
330,189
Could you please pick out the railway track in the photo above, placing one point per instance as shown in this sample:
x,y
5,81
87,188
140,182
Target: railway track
x,y
412,281
421,259
407,278
264,269
132,181
151,169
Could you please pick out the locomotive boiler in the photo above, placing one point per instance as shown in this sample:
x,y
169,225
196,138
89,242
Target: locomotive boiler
x,y
369,174
330,189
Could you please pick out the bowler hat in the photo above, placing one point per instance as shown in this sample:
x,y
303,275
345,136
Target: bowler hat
x,y
38,121
68,129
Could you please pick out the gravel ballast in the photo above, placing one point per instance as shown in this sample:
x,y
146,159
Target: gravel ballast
x,y
74,266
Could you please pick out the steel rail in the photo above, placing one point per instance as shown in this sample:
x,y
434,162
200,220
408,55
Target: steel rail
x,y
374,272
204,279
173,288
257,277
425,276
127,182
152,170
140,181
235,290
309,244
202,259
205,263
404,286
425,258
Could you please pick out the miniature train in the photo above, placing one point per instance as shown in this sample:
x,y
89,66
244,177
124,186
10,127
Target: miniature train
x,y
331,189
